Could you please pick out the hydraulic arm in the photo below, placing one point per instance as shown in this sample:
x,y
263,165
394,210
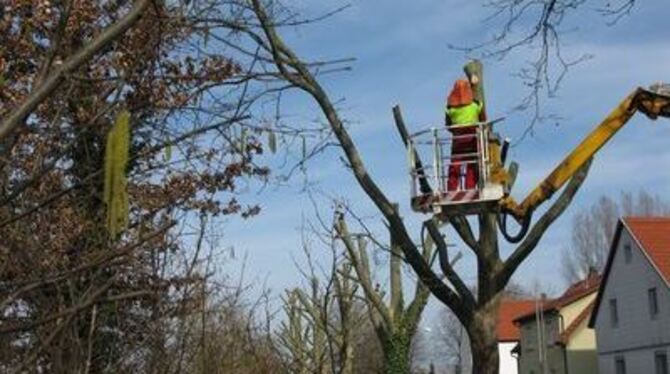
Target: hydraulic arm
x,y
653,102
494,181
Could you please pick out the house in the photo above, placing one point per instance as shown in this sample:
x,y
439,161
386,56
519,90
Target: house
x,y
555,338
631,316
508,333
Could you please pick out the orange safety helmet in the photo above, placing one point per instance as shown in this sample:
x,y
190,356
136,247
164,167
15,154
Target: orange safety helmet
x,y
461,94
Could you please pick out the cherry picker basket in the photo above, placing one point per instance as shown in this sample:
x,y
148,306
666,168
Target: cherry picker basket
x,y
447,170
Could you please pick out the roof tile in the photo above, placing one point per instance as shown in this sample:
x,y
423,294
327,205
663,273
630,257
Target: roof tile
x,y
653,233
509,310
575,292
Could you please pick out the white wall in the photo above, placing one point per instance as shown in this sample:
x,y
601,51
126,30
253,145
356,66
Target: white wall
x,y
508,363
637,336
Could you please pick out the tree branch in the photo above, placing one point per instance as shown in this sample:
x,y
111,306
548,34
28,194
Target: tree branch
x,y
413,312
538,230
358,257
466,296
309,84
40,93
462,227
395,262
424,186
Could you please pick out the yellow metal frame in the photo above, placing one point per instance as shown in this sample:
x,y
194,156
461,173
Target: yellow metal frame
x,y
650,103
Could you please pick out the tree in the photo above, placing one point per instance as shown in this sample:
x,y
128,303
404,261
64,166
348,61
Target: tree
x,y
593,230
320,329
328,318
476,312
395,322
538,27
453,335
220,329
51,75
74,298
455,340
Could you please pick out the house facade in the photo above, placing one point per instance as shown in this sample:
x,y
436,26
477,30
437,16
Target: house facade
x,y
508,333
631,316
554,337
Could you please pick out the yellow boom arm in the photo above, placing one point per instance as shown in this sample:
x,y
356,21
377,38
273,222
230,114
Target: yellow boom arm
x,y
654,103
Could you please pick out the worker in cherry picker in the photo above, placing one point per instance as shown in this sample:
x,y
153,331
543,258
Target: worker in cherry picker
x,y
461,112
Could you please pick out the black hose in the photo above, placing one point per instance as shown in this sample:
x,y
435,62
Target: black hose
x,y
525,225
504,150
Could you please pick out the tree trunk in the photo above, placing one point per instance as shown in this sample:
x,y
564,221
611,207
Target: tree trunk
x,y
348,360
396,354
484,342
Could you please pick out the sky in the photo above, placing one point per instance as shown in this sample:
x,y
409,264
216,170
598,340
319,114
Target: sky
x,y
402,56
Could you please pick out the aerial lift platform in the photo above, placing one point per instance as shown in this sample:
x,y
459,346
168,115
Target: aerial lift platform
x,y
429,192
435,144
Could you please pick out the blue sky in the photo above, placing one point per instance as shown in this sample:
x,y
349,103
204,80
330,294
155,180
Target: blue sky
x,y
402,57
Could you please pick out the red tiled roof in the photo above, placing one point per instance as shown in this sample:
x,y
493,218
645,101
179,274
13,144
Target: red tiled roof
x,y
579,289
653,234
509,310
575,292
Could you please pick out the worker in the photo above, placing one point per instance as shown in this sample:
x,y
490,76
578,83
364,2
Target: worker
x,y
463,110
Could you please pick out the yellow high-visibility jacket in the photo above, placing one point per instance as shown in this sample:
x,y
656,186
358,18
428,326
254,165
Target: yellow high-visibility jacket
x,y
465,114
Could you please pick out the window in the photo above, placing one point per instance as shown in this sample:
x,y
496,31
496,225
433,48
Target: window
x,y
661,360
628,253
653,302
614,313
620,365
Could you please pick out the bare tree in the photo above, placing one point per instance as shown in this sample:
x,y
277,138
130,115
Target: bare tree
x,y
395,321
476,312
454,337
593,230
328,317
538,26
319,333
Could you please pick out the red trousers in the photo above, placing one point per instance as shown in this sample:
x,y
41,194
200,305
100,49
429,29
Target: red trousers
x,y
465,142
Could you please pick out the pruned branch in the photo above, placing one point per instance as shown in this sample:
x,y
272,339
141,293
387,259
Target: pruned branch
x,y
424,186
359,259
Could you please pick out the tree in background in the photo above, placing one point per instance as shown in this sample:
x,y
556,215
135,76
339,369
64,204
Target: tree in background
x,y
395,321
593,230
329,318
74,298
321,325
454,337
